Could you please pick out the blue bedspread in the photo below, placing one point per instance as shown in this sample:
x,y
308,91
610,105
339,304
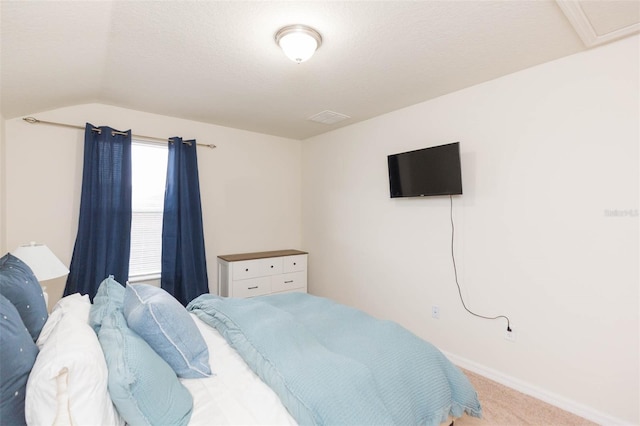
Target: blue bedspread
x,y
335,365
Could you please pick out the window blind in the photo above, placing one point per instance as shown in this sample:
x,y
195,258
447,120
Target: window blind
x,y
149,172
146,243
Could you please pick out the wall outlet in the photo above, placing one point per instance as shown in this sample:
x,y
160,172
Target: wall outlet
x,y
435,312
510,335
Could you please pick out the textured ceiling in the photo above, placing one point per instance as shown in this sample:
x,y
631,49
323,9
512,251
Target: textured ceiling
x,y
217,61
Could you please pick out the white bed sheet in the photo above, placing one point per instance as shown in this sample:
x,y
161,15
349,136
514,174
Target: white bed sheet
x,y
234,395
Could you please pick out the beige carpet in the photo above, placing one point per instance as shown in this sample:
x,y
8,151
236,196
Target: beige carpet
x,y
504,406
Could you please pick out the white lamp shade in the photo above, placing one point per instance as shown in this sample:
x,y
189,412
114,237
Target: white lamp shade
x,y
44,264
298,42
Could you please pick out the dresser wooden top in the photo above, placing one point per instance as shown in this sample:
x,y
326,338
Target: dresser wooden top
x,y
259,255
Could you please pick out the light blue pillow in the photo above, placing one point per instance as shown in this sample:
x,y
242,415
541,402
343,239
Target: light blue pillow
x,y
144,389
21,287
168,328
18,356
108,298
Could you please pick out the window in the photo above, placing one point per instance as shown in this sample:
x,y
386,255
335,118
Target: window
x,y
148,179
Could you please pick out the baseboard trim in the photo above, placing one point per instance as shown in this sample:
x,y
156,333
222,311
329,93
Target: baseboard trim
x,y
536,392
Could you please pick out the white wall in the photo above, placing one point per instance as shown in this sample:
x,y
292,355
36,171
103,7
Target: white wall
x,y
250,184
3,203
546,153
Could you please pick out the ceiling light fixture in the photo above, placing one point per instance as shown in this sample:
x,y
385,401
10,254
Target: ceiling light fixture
x,y
298,42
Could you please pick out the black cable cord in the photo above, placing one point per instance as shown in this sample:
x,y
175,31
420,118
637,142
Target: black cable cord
x,y
455,271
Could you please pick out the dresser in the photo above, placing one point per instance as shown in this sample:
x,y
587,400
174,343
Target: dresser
x,y
260,273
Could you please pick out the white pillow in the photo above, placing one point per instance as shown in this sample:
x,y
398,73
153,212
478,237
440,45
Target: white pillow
x,y
74,304
74,346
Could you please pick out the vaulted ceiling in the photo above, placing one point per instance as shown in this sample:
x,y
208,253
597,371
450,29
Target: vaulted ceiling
x,y
217,61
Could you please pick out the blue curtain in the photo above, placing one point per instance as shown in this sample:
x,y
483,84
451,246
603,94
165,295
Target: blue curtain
x,y
104,230
184,265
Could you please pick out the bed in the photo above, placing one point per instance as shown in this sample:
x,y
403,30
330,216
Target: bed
x,y
136,356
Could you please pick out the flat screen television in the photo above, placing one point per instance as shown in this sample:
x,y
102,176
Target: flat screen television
x,y
425,172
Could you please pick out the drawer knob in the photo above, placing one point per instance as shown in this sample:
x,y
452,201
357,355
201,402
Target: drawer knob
x,y
288,282
294,263
271,266
246,270
252,288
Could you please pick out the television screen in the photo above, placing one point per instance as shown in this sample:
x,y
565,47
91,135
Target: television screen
x,y
424,172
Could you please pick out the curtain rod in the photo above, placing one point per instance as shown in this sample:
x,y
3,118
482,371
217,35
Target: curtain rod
x,y
33,120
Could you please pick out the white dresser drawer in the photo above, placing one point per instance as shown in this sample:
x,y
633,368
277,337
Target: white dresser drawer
x,y
252,287
261,273
287,282
296,263
257,268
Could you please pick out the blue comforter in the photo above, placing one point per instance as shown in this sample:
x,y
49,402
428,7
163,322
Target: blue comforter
x,y
335,365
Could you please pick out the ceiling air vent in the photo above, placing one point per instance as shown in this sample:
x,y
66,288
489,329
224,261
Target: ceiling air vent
x,y
328,117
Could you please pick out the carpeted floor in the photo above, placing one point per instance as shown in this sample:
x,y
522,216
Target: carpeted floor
x,y
504,406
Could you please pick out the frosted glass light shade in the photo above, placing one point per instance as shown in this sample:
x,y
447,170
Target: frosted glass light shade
x,y
298,42
44,264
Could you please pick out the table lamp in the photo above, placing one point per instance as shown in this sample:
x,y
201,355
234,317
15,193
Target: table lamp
x,y
43,263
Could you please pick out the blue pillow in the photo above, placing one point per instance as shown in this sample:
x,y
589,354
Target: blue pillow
x,y
108,298
21,287
168,328
144,389
18,356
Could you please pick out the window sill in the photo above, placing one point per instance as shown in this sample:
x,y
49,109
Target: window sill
x,y
145,277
